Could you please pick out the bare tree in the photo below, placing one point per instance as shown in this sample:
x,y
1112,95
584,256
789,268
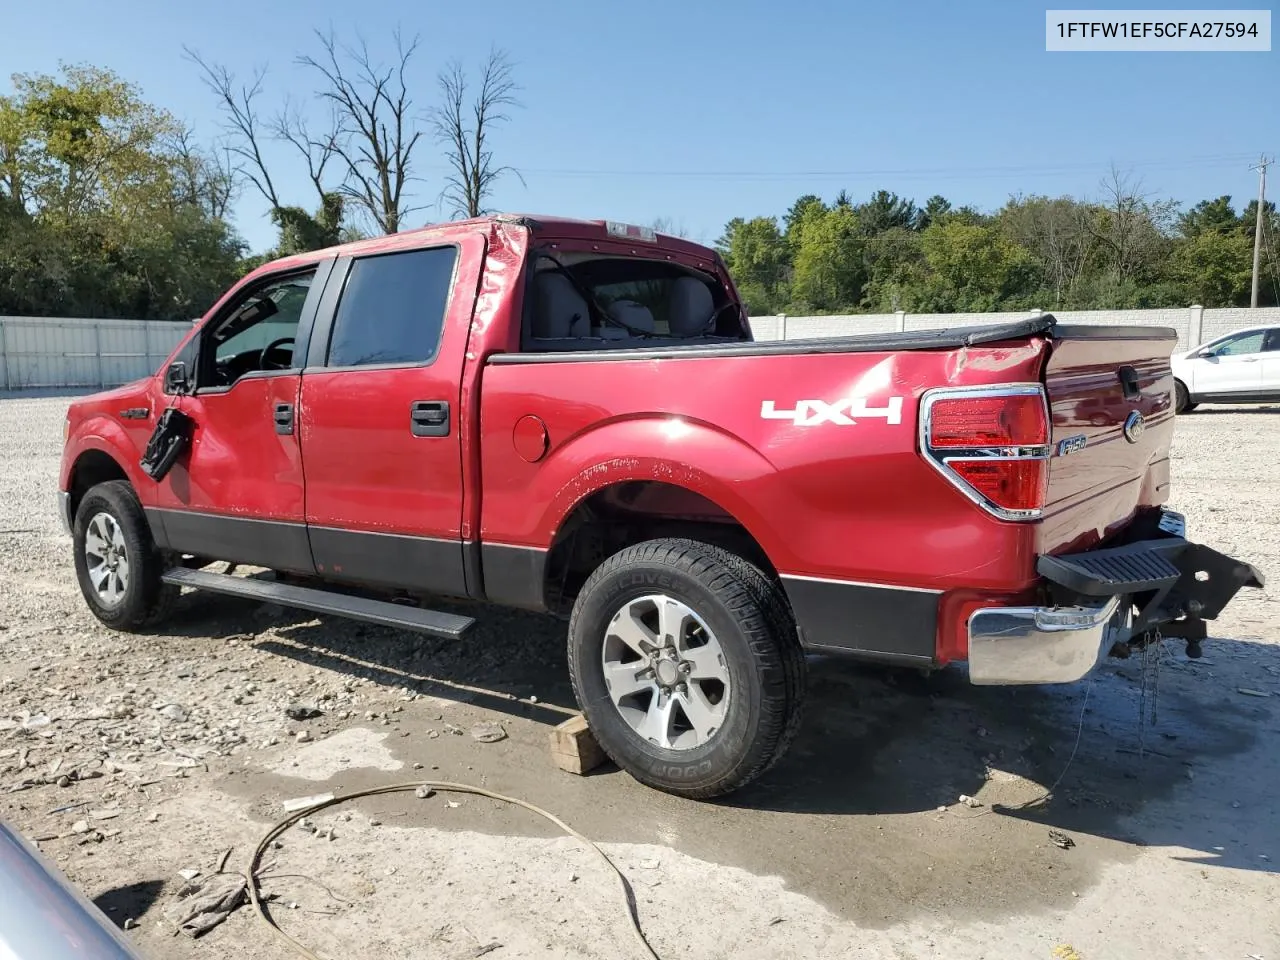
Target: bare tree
x,y
375,135
464,128
317,150
1054,230
247,133
671,227
245,130
206,177
1129,225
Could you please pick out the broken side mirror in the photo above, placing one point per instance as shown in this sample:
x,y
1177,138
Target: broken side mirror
x,y
175,377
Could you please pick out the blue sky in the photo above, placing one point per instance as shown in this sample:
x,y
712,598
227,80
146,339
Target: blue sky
x,y
701,111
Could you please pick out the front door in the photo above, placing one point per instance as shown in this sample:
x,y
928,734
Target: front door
x,y
1271,365
238,493
380,418
1233,365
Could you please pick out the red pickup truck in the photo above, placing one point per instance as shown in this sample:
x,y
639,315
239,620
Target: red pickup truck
x,y
573,417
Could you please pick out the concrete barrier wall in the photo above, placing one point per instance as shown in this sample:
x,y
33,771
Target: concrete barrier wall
x,y
37,352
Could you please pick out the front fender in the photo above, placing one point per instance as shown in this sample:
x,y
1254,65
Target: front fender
x,y
693,455
106,435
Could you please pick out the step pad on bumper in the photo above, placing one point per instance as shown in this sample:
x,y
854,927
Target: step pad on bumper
x,y
1133,568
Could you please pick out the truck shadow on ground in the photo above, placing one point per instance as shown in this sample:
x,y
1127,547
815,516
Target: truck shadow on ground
x,y
877,741
1225,409
508,657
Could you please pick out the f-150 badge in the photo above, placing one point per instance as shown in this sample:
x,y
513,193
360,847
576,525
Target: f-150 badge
x,y
844,413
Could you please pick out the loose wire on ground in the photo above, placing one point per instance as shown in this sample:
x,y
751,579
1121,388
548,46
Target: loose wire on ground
x,y
446,787
1002,808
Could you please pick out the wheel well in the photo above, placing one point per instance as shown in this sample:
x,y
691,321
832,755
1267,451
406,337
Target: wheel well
x,y
632,512
92,468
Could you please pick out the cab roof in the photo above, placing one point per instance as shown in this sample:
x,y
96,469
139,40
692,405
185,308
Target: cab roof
x,y
562,228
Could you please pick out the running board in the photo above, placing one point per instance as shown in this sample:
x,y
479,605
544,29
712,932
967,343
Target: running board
x,y
381,612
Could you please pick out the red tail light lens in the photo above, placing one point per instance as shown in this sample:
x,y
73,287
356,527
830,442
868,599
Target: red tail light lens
x,y
1010,484
992,444
989,421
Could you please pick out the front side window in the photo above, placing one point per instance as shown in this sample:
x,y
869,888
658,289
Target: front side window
x,y
258,334
392,308
1238,346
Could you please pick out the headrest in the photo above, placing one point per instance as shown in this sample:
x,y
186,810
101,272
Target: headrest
x,y
690,305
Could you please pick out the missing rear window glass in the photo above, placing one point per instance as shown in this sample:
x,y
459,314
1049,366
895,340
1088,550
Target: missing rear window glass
x,y
577,302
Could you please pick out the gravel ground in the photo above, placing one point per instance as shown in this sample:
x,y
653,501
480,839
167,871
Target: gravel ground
x,y
139,757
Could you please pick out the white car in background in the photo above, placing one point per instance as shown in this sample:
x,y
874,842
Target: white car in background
x,y
1242,367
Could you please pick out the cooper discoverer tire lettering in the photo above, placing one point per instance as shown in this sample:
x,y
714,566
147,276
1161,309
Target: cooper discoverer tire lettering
x,y
685,660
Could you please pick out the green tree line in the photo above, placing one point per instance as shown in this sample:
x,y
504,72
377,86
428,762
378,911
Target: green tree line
x,y
110,207
107,206
1124,250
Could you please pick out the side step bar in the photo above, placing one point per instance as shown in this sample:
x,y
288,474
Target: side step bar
x,y
382,612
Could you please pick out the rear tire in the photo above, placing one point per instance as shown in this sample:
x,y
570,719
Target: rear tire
x,y
117,562
1182,398
706,673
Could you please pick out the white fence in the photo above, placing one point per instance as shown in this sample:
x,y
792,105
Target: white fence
x,y
1195,325
37,352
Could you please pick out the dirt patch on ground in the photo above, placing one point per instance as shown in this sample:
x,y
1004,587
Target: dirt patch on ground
x,y
175,747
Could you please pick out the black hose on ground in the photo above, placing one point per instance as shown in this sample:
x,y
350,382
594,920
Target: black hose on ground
x,y
445,787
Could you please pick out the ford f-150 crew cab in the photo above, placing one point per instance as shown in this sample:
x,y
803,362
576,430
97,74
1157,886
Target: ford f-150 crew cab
x,y
573,417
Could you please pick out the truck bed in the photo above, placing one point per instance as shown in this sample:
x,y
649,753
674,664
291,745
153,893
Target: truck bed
x,y
945,338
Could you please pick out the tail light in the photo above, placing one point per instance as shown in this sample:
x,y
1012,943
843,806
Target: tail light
x,y
991,443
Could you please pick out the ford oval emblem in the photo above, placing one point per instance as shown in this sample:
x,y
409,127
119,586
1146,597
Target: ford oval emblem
x,y
1134,426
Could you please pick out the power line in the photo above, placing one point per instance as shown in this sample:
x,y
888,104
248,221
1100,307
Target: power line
x,y
935,173
1270,238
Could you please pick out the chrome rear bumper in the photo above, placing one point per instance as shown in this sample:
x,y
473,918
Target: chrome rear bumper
x,y
1153,579
1013,645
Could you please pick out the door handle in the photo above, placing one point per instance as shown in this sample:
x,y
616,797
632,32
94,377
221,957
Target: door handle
x,y
283,416
1248,359
429,418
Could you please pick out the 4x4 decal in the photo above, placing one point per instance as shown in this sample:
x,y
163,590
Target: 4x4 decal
x,y
844,413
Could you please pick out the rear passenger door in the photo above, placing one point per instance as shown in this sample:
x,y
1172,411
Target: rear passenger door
x,y
380,418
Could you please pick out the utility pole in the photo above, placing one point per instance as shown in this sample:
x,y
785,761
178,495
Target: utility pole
x,y
1263,163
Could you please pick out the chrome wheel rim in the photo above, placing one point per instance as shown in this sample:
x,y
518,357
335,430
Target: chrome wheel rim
x,y
106,559
665,672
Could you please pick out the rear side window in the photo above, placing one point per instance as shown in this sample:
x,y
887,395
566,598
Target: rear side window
x,y
1273,340
392,308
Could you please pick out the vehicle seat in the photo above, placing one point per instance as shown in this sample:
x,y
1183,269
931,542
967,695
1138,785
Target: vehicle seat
x,y
690,307
634,315
559,311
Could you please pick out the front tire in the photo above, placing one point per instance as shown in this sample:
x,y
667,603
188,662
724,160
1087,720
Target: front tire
x,y
1182,398
686,662
117,562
